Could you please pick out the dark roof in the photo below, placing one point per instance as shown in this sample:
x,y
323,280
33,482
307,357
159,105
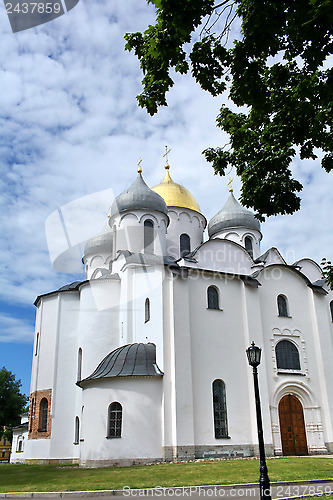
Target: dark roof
x,y
128,361
138,196
71,287
21,426
232,215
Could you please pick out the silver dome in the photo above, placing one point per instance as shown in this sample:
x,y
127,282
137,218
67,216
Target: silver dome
x,y
138,197
232,215
101,243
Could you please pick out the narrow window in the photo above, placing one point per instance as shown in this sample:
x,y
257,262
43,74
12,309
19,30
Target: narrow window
x,y
19,447
185,244
37,344
282,305
32,414
220,409
115,420
147,310
287,356
79,364
249,245
331,307
43,407
114,246
148,236
213,297
77,431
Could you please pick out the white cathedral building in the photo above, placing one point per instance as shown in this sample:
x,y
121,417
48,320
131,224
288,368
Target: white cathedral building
x,y
145,359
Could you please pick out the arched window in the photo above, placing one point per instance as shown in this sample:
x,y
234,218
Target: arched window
x,y
37,344
114,242
43,408
249,245
287,356
19,446
148,236
220,409
32,414
213,298
282,304
115,420
331,307
147,310
185,244
79,364
77,431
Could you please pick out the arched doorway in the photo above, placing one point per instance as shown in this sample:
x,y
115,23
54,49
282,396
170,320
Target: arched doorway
x,y
292,428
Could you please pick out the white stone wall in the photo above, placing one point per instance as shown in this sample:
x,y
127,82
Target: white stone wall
x,y
210,344
128,231
312,341
99,331
141,437
184,221
239,234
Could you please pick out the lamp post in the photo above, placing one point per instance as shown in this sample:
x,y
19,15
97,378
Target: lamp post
x,y
253,356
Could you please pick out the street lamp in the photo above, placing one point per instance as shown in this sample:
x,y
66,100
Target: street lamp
x,y
253,356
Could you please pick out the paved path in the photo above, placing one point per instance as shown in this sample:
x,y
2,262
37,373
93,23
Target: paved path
x,y
279,491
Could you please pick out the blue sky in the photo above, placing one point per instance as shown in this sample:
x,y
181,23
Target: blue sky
x,y
71,130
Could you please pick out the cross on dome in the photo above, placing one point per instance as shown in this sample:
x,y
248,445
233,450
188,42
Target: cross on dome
x,y
139,164
167,151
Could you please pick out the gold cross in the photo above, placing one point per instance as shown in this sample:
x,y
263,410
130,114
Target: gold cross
x,y
139,164
109,212
167,151
230,185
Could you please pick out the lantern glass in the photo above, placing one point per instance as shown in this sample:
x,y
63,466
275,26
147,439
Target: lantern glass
x,y
253,355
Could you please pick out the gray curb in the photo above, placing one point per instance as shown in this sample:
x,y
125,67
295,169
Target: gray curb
x,y
147,491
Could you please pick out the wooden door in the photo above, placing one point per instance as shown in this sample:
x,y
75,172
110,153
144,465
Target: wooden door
x,y
292,428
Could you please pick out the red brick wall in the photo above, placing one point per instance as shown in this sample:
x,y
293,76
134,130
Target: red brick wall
x,y
34,414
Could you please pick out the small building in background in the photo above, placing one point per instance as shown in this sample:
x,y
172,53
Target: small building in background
x,y
20,436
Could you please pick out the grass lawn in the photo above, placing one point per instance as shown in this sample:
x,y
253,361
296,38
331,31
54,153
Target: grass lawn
x,y
54,478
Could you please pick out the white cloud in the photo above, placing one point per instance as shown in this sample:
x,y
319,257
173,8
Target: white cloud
x,y
15,330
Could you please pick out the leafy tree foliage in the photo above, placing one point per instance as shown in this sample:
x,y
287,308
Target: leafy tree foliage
x,y
12,402
276,74
328,272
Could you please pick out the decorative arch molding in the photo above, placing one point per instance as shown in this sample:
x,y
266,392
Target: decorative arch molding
x,y
295,337
185,215
128,215
303,393
173,214
192,216
196,218
151,217
97,258
312,416
232,233
164,225
286,332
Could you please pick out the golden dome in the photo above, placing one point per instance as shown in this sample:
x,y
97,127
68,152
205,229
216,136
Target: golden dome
x,y
174,194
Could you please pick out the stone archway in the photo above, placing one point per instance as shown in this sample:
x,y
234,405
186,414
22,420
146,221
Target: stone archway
x,y
292,428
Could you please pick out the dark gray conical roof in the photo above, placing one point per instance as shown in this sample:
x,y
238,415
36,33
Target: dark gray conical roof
x,y
101,243
138,197
128,360
232,215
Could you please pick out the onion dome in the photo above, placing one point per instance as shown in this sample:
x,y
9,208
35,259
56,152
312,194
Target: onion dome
x,y
175,195
138,197
128,361
232,215
101,243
